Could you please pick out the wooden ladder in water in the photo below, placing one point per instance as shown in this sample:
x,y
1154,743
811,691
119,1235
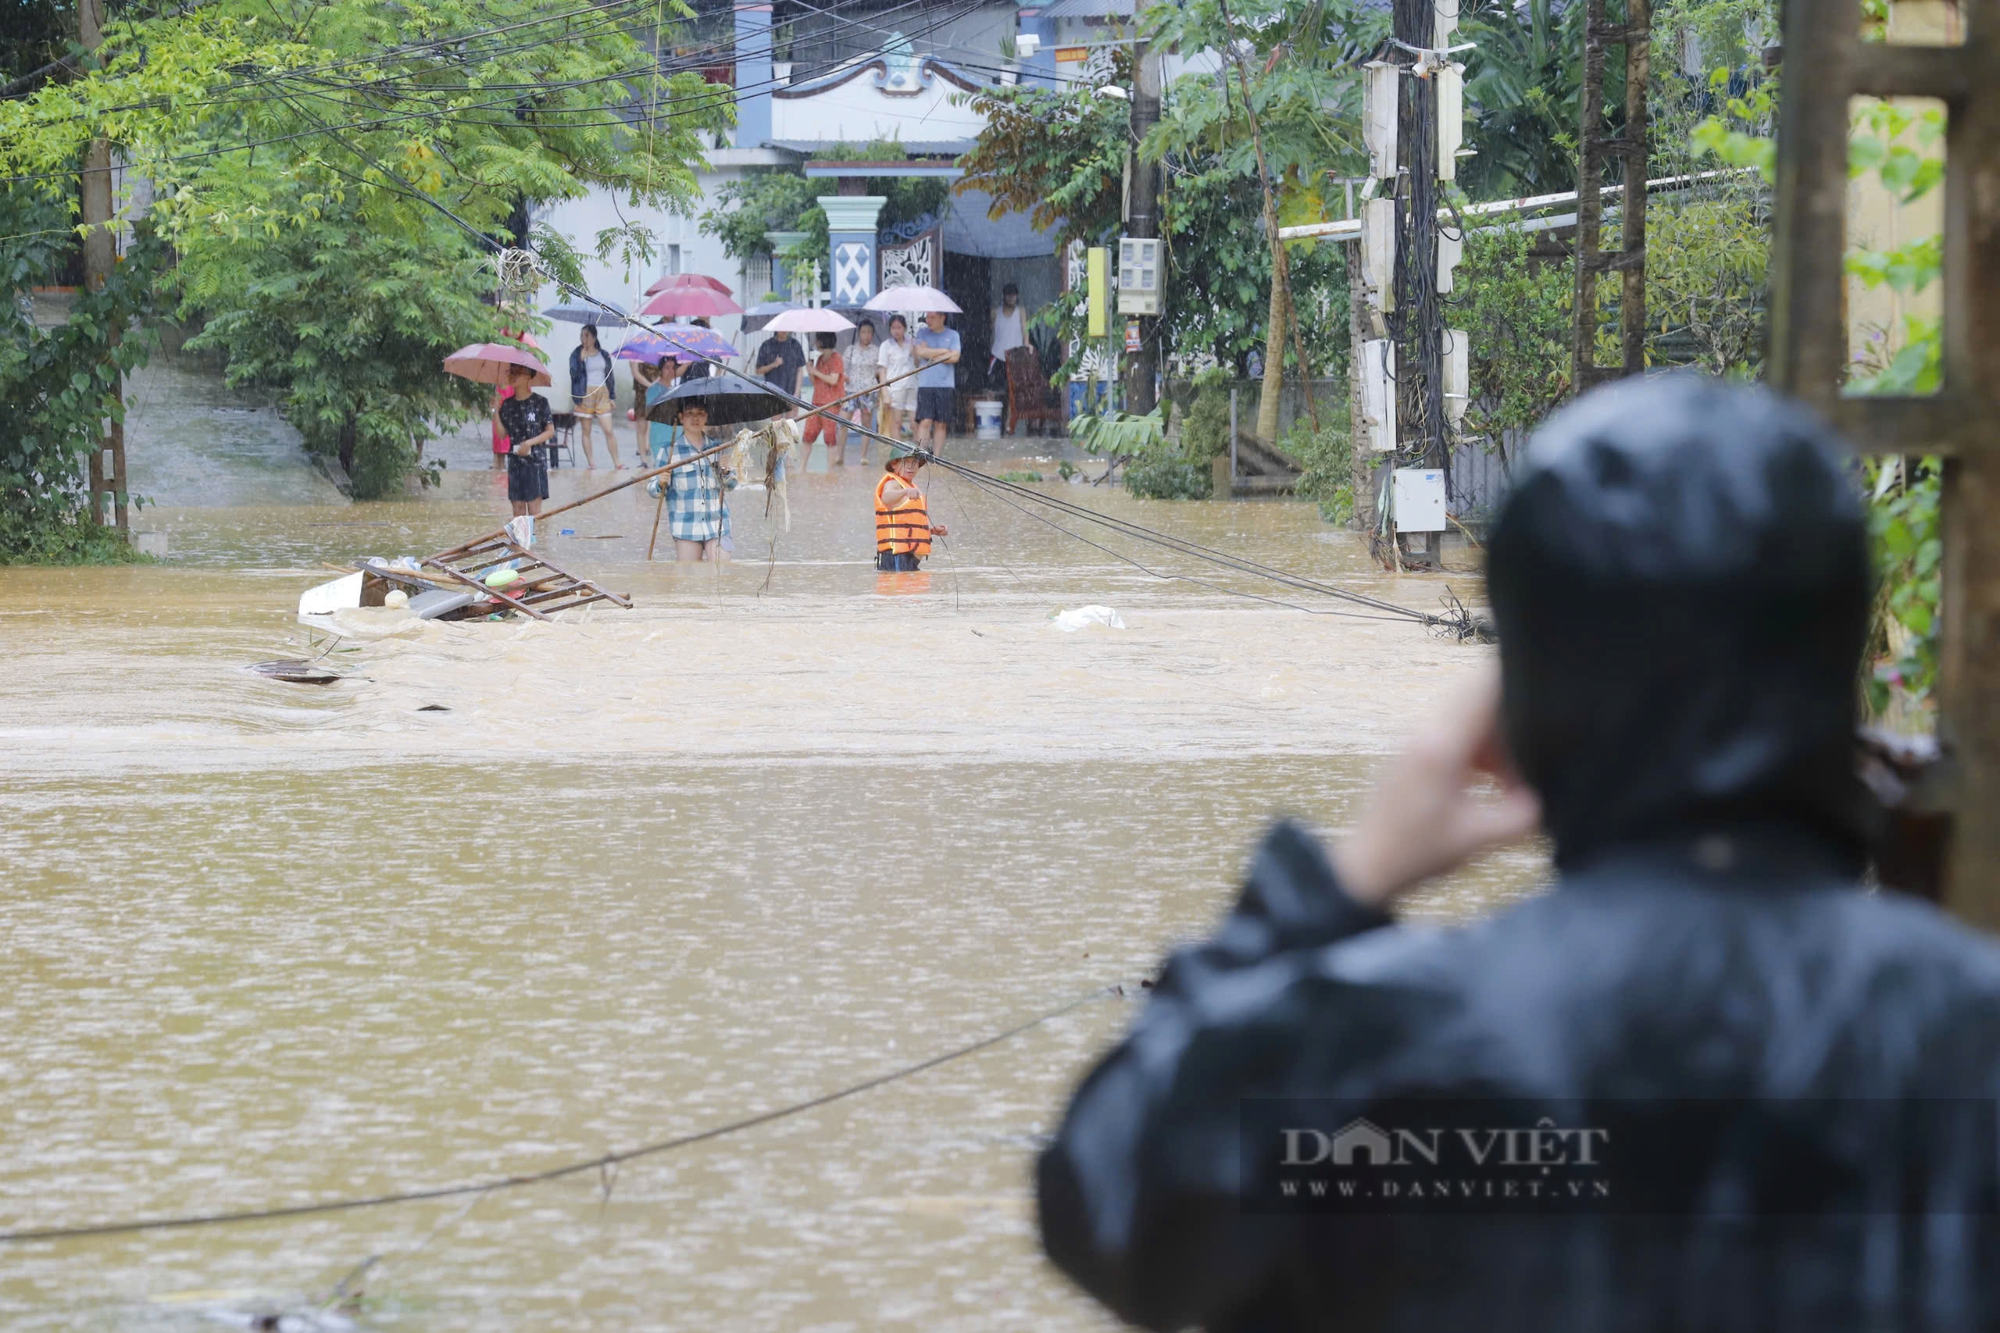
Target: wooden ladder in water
x,y
543,589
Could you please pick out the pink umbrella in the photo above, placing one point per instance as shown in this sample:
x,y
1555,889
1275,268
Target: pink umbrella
x,y
810,321
686,302
913,299
487,363
697,280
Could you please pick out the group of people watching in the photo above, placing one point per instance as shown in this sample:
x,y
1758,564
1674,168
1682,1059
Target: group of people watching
x,y
905,379
867,385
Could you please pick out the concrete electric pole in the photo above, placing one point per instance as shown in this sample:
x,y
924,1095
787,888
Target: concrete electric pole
x,y
107,461
1142,368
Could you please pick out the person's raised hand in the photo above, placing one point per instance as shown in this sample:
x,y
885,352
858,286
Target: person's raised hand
x,y
1426,816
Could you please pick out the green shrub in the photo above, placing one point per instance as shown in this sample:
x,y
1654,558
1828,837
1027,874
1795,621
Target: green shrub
x,y
1205,427
1169,477
1157,467
1326,458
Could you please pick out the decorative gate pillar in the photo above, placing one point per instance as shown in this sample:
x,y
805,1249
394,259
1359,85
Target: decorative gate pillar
x,y
850,226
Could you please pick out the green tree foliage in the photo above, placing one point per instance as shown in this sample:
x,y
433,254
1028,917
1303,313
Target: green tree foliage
x,y
312,159
1056,154
1523,85
1298,61
1059,156
1707,251
1515,311
348,325
56,387
1902,147
32,33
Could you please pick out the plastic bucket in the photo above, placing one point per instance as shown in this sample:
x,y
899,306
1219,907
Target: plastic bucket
x,y
986,415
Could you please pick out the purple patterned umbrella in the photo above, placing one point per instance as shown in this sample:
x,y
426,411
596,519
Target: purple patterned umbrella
x,y
682,342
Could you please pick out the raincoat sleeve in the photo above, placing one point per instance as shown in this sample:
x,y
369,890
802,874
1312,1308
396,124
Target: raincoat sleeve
x,y
1138,1194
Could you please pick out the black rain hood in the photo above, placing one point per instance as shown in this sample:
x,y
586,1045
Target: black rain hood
x,y
1681,584
1798,1082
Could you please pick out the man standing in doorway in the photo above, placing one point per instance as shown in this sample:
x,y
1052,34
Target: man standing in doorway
x,y
937,352
1010,330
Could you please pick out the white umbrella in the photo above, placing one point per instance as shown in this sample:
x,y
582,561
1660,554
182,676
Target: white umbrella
x,y
913,299
809,320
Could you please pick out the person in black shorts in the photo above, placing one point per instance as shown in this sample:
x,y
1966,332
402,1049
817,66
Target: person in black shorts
x,y
937,351
525,419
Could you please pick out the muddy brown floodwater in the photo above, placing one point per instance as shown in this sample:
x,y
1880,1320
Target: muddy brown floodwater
x,y
780,828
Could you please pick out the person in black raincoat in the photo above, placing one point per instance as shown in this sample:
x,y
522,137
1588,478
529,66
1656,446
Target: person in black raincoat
x,y
1781,1084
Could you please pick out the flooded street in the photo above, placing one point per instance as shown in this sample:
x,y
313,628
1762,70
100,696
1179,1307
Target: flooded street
x,y
784,826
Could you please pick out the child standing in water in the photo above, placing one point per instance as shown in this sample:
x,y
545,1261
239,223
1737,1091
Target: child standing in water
x,y
903,527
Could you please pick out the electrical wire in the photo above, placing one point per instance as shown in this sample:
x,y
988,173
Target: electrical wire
x,y
518,1180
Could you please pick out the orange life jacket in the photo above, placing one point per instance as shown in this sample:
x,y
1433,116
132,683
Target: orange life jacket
x,y
906,528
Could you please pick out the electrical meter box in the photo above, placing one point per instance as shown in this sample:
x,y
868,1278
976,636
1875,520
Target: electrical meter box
x,y
1416,498
1378,393
1380,94
1378,252
1451,249
1450,83
1457,376
1138,276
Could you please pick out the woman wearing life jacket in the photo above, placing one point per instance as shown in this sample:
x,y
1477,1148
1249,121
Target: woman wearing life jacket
x,y
903,527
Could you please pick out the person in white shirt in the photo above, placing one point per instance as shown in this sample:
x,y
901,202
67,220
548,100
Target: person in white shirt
x,y
896,362
1010,330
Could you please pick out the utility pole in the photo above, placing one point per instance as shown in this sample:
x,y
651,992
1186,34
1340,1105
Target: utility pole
x,y
1630,260
1142,370
107,461
1418,327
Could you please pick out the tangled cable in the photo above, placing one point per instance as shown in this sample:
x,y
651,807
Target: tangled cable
x,y
602,1163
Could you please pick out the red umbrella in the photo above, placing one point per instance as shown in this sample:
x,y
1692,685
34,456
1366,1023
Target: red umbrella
x,y
487,363
687,302
701,280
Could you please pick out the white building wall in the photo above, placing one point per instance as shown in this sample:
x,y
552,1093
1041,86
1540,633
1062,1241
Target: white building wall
x,y
580,220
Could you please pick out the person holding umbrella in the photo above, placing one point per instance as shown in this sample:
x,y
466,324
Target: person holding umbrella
x,y
937,350
779,361
697,506
524,418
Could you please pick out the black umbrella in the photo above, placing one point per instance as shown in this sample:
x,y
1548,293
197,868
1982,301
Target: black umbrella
x,y
588,314
731,400
757,316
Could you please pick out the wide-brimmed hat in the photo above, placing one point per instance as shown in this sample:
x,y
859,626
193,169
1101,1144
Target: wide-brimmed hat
x,y
921,457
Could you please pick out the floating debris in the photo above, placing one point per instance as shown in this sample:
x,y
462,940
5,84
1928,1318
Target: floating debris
x,y
296,671
433,708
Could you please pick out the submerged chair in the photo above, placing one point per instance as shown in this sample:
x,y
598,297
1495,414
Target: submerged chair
x,y
1029,397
